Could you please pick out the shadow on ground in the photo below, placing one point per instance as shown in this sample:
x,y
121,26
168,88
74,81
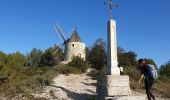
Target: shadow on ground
x,y
74,95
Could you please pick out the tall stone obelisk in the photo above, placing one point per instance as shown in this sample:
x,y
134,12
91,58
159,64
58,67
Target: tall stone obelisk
x,y
116,84
112,67
111,85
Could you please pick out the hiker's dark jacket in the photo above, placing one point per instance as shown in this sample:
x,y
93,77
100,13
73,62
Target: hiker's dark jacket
x,y
146,71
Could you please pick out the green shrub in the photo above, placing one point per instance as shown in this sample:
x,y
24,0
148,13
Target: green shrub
x,y
79,63
132,71
68,70
164,78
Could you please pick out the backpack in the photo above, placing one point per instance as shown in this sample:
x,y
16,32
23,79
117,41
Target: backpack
x,y
153,71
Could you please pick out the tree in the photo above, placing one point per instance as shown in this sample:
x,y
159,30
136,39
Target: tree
x,y
97,54
15,60
47,59
34,58
13,63
150,61
120,49
165,69
100,42
127,59
3,57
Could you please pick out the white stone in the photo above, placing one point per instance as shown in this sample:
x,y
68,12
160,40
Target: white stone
x,y
118,81
118,86
112,67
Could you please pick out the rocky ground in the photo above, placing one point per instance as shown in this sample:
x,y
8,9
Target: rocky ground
x,y
75,87
70,87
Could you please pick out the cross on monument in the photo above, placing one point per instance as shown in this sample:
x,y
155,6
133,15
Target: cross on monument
x,y
111,7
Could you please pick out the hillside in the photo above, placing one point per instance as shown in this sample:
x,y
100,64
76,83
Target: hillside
x,y
39,74
77,87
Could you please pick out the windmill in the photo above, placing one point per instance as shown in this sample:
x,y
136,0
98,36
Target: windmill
x,y
72,46
58,48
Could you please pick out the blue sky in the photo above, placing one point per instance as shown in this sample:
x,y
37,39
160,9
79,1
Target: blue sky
x,y
143,26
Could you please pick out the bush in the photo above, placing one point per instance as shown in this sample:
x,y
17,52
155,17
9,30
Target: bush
x,y
164,78
27,80
79,63
132,71
47,59
68,70
165,69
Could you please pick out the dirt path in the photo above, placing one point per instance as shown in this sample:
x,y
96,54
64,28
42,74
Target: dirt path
x,y
75,87
70,87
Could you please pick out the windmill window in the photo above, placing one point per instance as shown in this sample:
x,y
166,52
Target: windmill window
x,y
72,45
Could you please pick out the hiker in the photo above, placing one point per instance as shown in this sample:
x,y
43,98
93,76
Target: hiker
x,y
147,76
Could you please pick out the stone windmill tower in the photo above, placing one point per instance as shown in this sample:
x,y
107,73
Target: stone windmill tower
x,y
73,46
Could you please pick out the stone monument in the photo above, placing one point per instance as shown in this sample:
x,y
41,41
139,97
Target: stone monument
x,y
114,86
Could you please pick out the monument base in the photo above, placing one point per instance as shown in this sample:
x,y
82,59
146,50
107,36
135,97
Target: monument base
x,y
118,85
111,86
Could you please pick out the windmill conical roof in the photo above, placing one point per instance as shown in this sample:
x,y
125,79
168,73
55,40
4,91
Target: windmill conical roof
x,y
75,37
